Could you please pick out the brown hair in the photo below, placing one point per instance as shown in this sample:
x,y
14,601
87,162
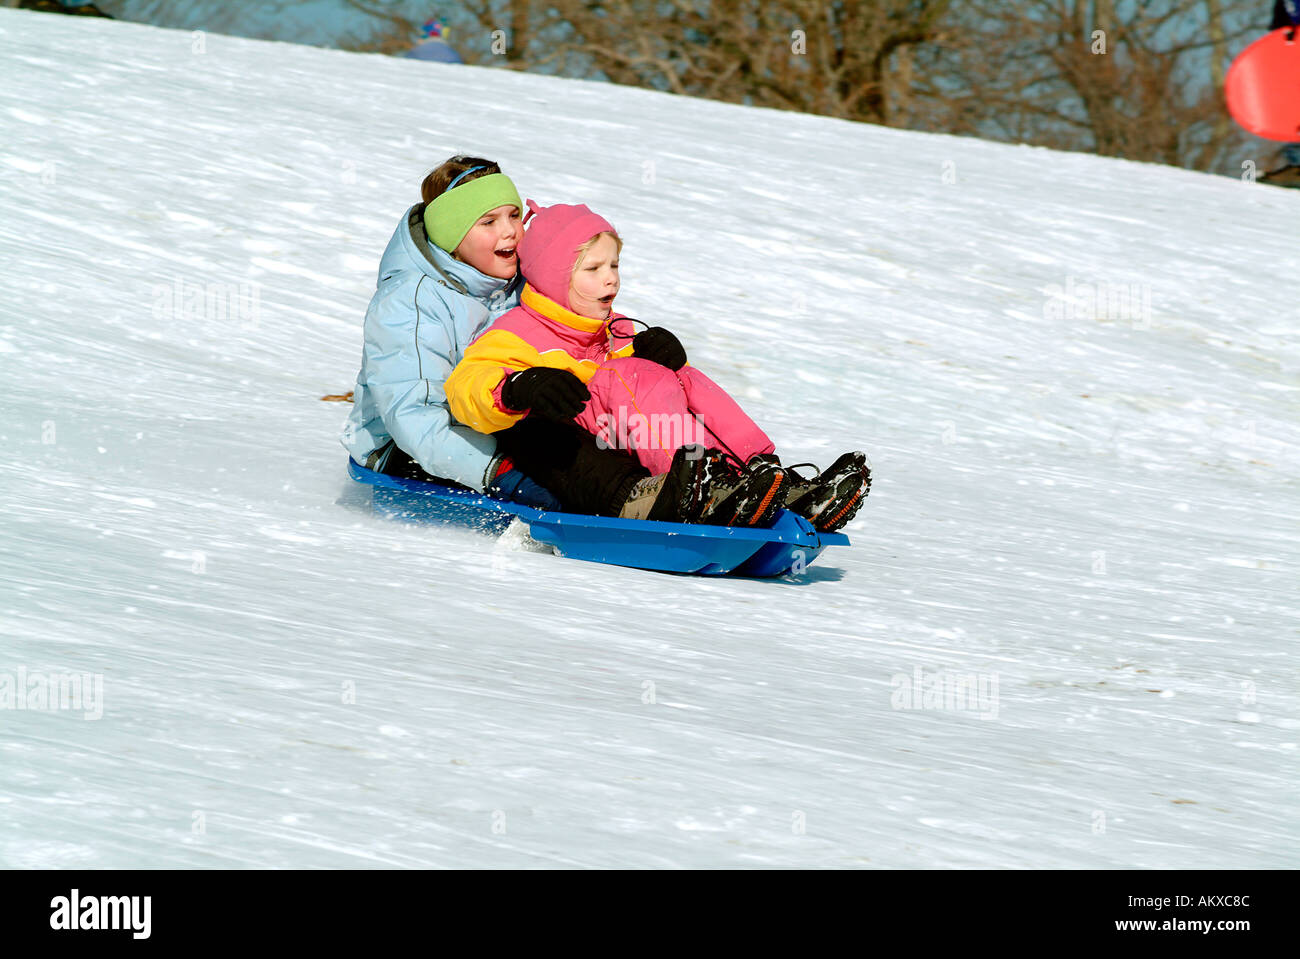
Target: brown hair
x,y
435,183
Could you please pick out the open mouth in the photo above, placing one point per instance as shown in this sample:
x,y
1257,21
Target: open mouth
x,y
507,253
607,299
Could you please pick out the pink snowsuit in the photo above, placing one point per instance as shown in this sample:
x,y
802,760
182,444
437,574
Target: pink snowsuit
x,y
635,404
639,405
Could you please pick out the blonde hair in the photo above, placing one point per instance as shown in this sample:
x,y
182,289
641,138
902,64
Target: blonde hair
x,y
582,250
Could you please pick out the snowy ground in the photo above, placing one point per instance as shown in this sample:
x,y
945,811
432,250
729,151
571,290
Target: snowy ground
x,y
1094,516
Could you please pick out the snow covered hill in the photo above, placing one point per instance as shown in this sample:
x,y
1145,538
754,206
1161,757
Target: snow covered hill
x,y
1088,506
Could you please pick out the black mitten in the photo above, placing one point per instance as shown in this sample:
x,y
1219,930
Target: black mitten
x,y
659,346
546,391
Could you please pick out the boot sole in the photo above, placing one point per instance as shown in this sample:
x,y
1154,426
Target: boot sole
x,y
840,512
839,518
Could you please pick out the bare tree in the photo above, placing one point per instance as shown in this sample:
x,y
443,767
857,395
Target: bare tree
x,y
1142,80
823,57
394,33
1134,78
512,21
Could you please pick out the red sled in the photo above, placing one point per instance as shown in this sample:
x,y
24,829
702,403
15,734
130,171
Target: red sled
x,y
1263,86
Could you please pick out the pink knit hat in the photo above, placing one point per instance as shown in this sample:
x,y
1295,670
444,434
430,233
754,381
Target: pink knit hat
x,y
550,246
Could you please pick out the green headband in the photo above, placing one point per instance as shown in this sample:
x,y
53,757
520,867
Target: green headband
x,y
448,218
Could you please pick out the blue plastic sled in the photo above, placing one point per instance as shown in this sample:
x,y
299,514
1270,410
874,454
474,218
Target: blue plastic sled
x,y
790,543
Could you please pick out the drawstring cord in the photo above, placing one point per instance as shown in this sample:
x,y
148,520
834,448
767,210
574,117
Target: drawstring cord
x,y
625,336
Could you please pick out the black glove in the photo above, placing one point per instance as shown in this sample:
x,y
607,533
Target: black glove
x,y
546,391
659,346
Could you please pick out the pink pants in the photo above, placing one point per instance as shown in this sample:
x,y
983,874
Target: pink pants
x,y
648,409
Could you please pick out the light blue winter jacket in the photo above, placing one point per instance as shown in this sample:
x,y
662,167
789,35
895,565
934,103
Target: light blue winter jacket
x,y
426,309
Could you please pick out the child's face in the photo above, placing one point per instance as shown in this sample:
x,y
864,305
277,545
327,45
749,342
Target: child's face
x,y
595,280
489,246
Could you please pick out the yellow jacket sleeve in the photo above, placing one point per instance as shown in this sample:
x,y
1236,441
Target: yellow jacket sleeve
x,y
474,387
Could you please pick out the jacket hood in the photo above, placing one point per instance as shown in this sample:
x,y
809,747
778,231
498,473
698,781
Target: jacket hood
x,y
550,245
410,249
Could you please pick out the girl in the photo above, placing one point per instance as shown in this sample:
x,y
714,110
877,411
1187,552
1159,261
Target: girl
x,y
558,355
450,269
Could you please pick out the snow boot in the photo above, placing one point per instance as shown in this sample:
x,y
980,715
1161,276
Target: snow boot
x,y
675,496
832,497
751,495
701,486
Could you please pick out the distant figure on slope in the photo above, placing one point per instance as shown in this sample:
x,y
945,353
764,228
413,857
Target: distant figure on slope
x,y
564,355
1286,13
434,45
